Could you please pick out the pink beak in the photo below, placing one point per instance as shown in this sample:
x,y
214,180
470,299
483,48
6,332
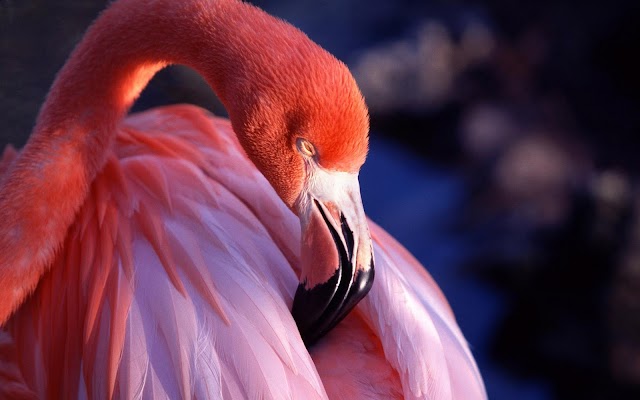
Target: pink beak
x,y
337,263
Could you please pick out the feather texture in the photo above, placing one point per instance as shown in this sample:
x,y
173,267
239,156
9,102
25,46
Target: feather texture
x,y
419,333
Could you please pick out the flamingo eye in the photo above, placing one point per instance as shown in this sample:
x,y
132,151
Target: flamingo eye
x,y
305,147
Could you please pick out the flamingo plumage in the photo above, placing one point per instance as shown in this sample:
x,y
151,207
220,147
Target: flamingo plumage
x,y
157,255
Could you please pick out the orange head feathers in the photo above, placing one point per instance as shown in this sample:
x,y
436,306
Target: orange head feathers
x,y
287,88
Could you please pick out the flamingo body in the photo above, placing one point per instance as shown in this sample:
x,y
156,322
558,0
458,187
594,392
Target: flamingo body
x,y
176,280
176,275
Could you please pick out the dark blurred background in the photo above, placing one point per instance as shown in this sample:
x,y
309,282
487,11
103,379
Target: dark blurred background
x,y
503,155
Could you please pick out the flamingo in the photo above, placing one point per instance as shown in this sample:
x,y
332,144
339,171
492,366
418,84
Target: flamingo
x,y
174,254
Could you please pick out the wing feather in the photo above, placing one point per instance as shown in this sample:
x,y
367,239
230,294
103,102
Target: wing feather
x,y
419,333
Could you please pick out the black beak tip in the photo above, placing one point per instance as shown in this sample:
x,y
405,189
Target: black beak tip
x,y
319,309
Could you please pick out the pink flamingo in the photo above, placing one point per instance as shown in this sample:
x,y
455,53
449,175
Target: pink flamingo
x,y
156,256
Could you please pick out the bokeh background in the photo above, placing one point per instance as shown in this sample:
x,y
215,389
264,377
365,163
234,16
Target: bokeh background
x,y
503,155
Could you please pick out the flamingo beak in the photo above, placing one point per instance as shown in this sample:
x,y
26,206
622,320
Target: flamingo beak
x,y
337,256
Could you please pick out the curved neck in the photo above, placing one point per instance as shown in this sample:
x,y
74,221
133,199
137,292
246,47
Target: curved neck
x,y
245,55
131,41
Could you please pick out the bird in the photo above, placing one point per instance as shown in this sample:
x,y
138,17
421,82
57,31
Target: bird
x,y
175,254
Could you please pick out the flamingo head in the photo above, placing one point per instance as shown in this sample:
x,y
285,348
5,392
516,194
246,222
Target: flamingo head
x,y
307,131
337,256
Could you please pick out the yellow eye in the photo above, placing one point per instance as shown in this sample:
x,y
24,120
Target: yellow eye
x,y
305,147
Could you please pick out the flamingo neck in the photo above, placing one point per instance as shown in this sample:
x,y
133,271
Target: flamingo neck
x,y
132,40
242,52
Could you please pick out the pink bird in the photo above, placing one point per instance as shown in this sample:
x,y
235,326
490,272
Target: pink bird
x,y
157,255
